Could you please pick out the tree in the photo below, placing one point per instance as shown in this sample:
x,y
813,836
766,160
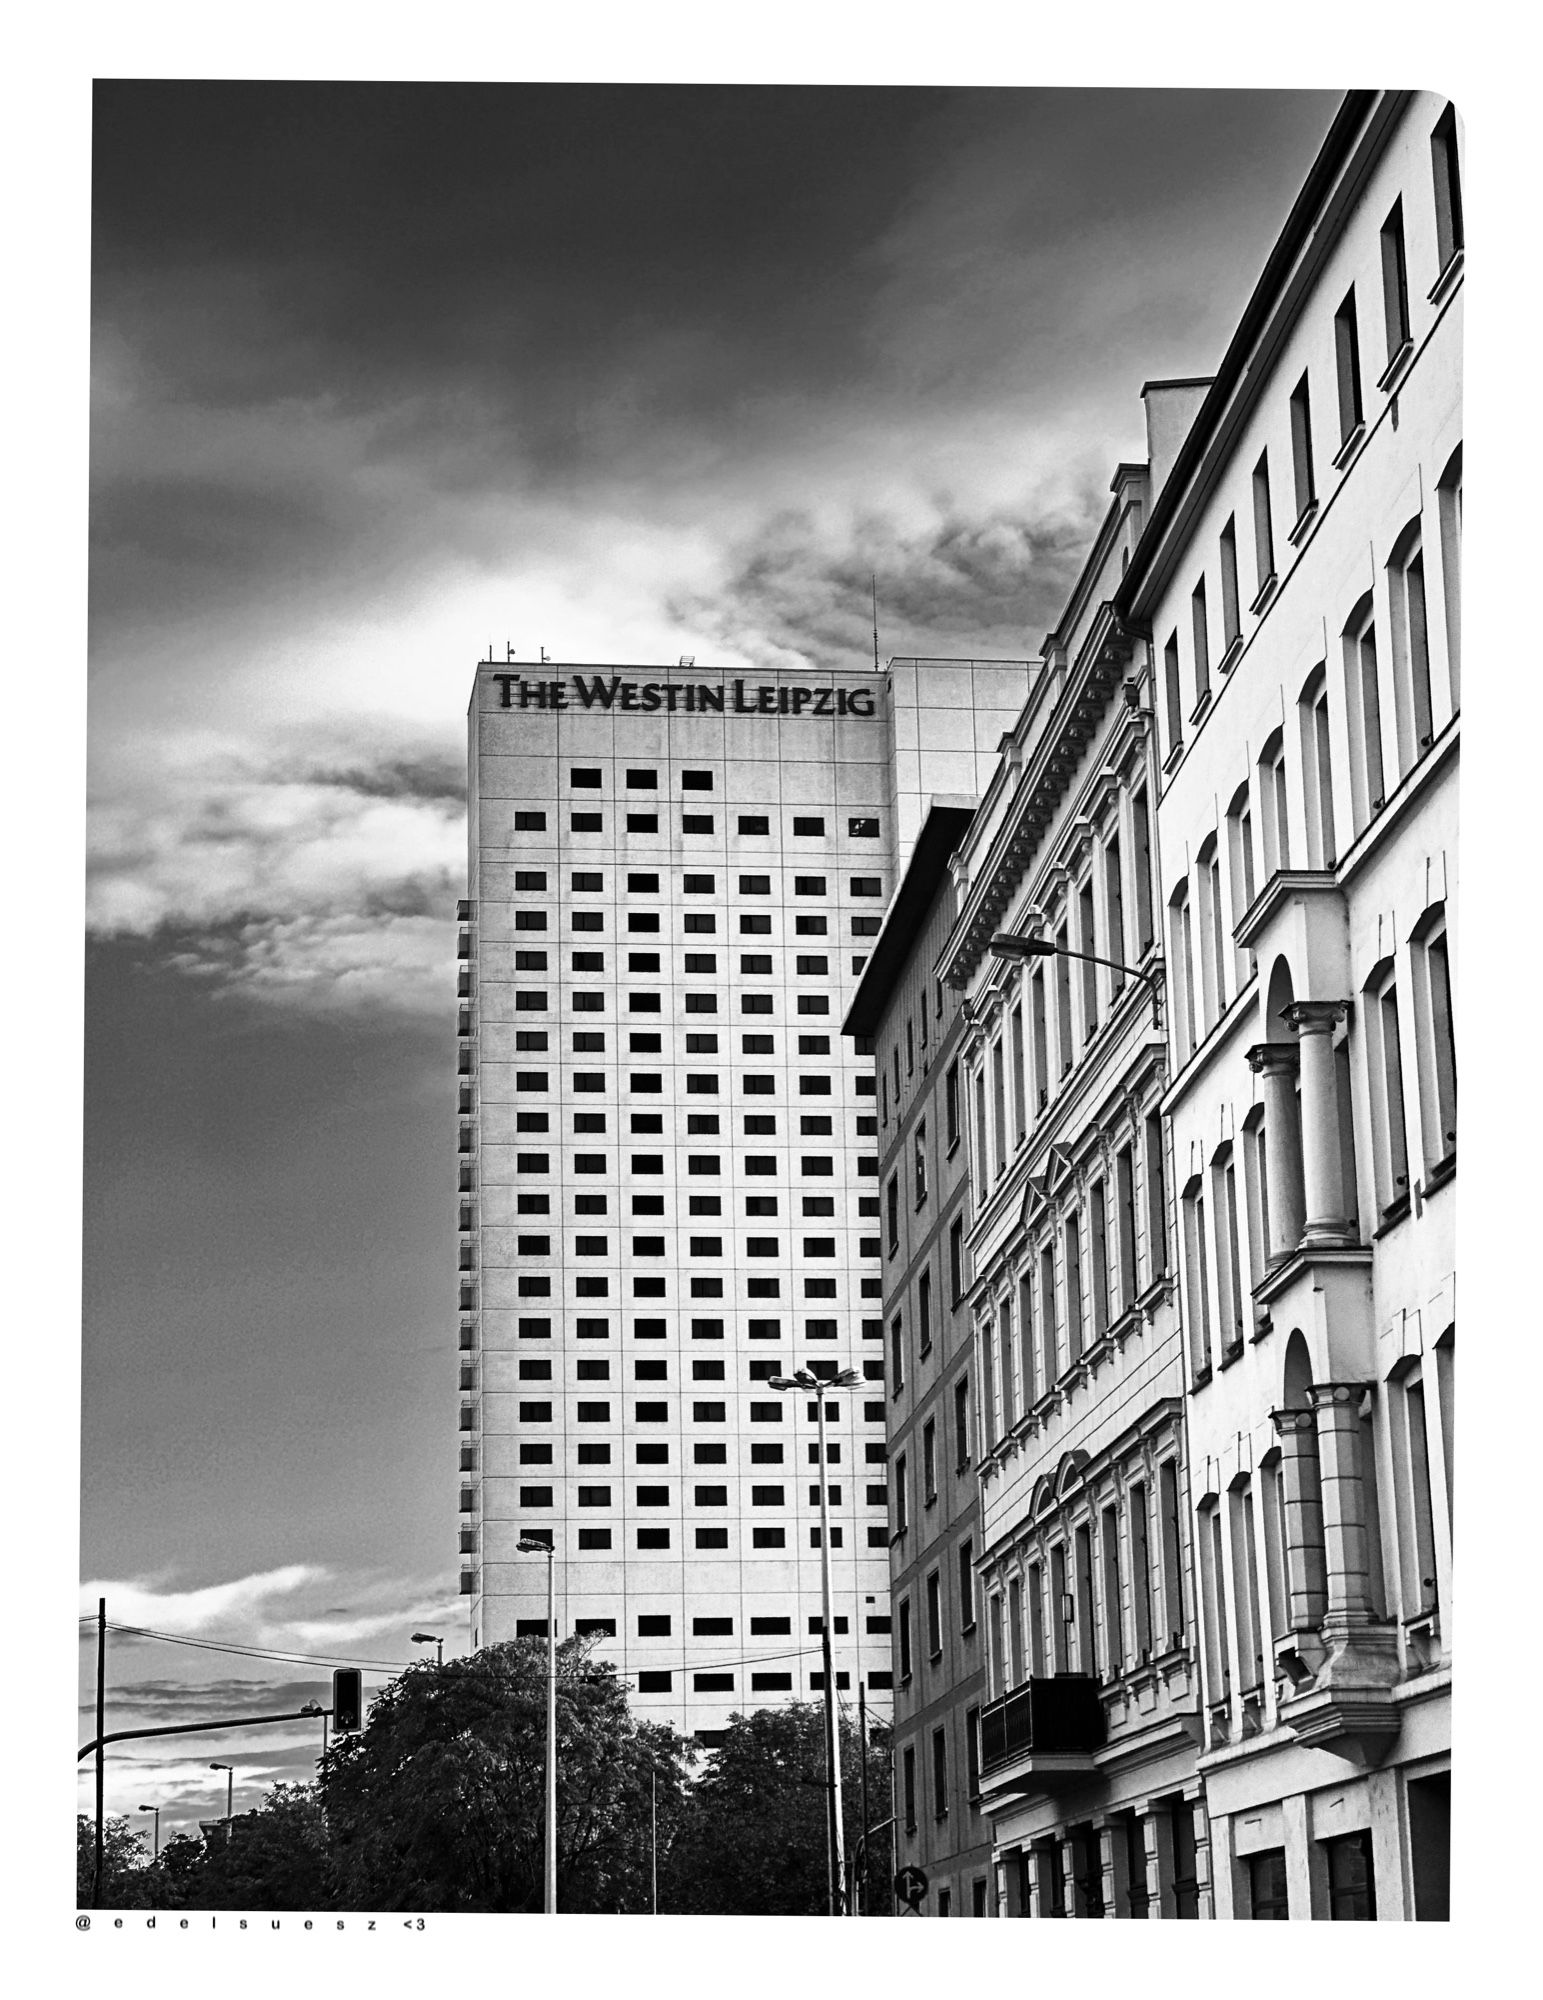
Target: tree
x,y
124,1863
752,1841
439,1803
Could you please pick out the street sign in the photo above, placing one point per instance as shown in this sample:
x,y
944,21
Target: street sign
x,y
911,1886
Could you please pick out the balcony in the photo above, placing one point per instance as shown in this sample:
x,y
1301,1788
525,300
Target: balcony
x,y
1045,1732
463,911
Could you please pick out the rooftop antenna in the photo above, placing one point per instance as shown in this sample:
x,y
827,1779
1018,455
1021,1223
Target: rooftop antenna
x,y
545,656
508,652
874,581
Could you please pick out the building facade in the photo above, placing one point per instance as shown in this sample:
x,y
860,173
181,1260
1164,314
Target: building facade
x,y
914,1023
668,1164
1299,583
1091,1730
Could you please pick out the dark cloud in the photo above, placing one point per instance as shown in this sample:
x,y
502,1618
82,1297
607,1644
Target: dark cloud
x,y
988,585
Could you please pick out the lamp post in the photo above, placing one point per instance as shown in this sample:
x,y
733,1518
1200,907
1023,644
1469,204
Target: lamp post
x,y
805,1381
431,1639
1008,944
528,1547
157,1811
230,1794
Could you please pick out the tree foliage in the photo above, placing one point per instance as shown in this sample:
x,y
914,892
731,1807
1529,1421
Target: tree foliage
x,y
439,1804
753,1842
124,1863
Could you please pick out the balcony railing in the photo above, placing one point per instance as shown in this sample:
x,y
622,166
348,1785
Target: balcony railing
x,y
1054,1716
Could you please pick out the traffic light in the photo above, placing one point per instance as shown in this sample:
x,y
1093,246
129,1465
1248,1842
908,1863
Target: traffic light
x,y
347,1700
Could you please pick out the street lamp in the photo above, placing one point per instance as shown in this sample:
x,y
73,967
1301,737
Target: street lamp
x,y
1008,944
530,1548
157,1811
230,1794
805,1380
431,1639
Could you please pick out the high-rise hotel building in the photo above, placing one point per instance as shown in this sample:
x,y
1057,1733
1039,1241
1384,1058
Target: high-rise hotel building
x,y
668,1158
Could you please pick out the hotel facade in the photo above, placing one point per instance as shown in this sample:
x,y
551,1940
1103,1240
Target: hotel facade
x,y
668,1189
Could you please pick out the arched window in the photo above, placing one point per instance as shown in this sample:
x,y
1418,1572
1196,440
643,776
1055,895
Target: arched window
x,y
1317,770
1449,515
1240,868
1363,710
1197,1289
1229,1264
1213,932
1182,929
1385,1067
1435,1040
1411,648
1274,813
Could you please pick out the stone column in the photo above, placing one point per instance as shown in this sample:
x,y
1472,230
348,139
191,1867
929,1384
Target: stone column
x,y
1302,1507
1205,1901
1159,1836
1326,1199
1276,1063
1112,1859
1013,1884
1346,1539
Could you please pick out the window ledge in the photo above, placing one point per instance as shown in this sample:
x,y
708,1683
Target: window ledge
x,y
932,1660
1175,756
1350,446
1233,1351
1201,705
1266,591
953,1147
1451,271
1199,1379
1397,367
1395,1213
1298,530
967,1631
1444,1170
1233,654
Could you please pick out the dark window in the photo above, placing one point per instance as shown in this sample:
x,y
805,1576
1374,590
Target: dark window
x,y
1449,189
754,823
588,779
1264,533
1395,285
1267,1885
530,822
1347,366
808,826
1352,1878
1302,448
696,781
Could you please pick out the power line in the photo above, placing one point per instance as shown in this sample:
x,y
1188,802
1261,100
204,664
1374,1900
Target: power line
x,y
283,1658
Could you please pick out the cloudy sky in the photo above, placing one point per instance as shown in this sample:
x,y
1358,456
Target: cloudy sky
x,y
385,374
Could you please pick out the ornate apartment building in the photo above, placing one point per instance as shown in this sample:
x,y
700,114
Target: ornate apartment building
x,y
1299,582
1201,929
914,1024
1091,1728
